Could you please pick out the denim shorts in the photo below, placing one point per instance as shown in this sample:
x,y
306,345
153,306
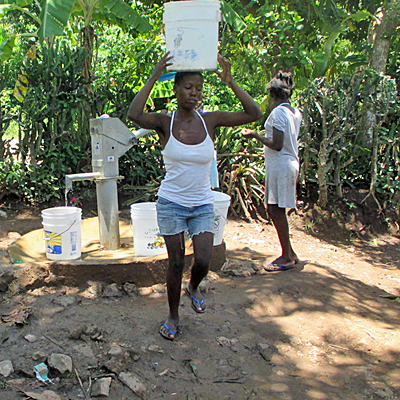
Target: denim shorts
x,y
173,218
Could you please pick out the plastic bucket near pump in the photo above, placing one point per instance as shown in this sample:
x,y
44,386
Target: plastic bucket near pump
x,y
62,233
145,230
221,205
191,33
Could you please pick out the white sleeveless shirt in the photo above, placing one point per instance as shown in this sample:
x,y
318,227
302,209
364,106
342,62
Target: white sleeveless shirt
x,y
187,181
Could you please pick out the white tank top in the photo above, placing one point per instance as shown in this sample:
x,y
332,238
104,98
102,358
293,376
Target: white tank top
x,y
187,181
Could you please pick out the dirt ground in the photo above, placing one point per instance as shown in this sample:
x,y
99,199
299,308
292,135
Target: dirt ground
x,y
327,329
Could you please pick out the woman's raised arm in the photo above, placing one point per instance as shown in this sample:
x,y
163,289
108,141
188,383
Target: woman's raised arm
x,y
251,111
136,110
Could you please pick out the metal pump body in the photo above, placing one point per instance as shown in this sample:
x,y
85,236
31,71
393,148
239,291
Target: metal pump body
x,y
110,140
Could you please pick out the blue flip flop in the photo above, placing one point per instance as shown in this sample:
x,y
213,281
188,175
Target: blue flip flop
x,y
278,267
196,302
170,333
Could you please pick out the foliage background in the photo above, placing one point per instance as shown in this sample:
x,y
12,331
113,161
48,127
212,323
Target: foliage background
x,y
327,46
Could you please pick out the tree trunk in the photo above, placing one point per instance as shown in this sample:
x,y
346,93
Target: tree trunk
x,y
383,35
88,44
384,32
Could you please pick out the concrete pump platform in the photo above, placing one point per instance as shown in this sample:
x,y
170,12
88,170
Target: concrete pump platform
x,y
117,266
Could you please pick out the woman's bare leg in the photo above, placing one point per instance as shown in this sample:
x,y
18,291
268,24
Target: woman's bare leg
x,y
203,247
176,262
279,219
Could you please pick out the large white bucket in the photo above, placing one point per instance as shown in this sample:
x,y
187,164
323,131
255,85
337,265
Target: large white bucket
x,y
191,33
62,232
145,230
221,206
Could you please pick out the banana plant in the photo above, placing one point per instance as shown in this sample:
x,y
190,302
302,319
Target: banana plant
x,y
55,15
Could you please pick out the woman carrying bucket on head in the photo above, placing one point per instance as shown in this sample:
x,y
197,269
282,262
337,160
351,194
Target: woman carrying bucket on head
x,y
185,200
281,163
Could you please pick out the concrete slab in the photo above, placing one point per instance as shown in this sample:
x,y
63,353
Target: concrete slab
x,y
28,254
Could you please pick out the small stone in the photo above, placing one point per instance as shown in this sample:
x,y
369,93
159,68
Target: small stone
x,y
30,338
90,330
134,354
13,235
130,289
94,290
46,395
101,387
112,291
205,286
60,362
39,356
116,350
159,288
156,295
118,359
66,300
85,350
17,382
3,214
145,291
23,367
6,368
133,382
156,349
266,351
243,268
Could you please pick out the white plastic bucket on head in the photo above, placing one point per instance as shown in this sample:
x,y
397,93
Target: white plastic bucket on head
x,y
145,230
221,205
191,33
62,233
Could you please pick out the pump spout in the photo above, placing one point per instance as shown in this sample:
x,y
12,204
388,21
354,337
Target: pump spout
x,y
141,132
79,177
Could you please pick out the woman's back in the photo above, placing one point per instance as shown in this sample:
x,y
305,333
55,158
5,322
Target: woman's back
x,y
287,121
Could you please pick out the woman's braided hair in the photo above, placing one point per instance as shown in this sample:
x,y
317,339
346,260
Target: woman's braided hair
x,y
282,85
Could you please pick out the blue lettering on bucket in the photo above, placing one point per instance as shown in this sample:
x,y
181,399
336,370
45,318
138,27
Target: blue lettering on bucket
x,y
74,237
188,54
178,39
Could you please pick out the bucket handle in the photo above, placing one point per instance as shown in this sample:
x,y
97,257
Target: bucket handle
x,y
225,219
73,222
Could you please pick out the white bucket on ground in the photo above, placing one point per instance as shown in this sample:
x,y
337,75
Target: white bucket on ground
x,y
62,233
221,206
191,33
145,230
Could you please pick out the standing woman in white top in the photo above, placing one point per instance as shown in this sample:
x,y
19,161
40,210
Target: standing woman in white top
x,y
281,163
185,201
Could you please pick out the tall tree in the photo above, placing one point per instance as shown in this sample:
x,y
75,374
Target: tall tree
x,y
388,20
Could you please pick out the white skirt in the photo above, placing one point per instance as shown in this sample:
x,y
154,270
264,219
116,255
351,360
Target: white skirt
x,y
280,181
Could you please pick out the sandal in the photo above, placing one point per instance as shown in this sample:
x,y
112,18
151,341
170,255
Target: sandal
x,y
198,306
273,267
170,335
